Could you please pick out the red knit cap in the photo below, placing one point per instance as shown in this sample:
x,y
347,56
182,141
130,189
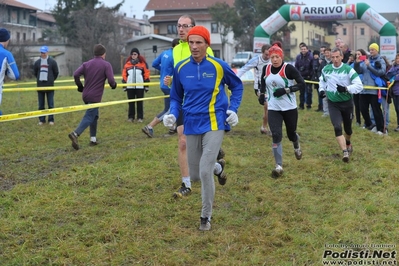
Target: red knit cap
x,y
201,31
275,49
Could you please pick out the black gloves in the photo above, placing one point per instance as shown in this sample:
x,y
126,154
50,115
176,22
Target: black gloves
x,y
123,81
80,88
146,88
261,99
357,68
279,92
114,87
322,94
341,88
377,64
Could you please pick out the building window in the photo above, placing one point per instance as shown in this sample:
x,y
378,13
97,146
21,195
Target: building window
x,y
34,36
24,36
216,53
344,31
361,31
214,28
172,29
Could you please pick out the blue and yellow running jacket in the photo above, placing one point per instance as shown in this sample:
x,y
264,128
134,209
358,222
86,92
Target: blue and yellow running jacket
x,y
198,88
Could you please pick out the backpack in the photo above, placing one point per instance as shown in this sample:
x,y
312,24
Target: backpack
x,y
380,82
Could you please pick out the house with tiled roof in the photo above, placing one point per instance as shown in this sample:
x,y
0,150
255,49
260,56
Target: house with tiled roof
x,y
27,24
166,14
17,18
357,34
30,28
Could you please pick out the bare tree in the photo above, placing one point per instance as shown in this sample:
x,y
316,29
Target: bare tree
x,y
226,18
85,23
95,26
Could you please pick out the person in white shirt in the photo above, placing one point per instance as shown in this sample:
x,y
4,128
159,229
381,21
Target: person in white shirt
x,y
257,63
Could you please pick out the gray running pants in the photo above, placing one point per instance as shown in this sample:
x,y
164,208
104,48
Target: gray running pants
x,y
202,151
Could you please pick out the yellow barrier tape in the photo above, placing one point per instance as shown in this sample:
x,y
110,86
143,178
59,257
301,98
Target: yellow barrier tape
x,y
16,83
364,86
61,110
73,87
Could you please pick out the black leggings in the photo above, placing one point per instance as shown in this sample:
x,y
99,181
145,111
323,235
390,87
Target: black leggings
x,y
276,119
341,112
135,94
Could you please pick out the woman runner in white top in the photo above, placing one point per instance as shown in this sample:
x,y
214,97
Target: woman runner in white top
x,y
278,79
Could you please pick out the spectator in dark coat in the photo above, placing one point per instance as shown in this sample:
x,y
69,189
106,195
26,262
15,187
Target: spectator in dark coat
x,y
46,72
346,52
304,64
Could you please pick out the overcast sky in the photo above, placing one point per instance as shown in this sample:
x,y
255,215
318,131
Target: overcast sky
x,y
136,7
131,7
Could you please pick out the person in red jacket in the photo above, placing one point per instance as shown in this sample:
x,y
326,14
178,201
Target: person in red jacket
x,y
135,71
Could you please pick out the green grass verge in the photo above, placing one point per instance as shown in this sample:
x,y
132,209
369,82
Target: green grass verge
x,y
112,204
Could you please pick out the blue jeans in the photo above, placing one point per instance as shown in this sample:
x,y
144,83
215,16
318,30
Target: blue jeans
x,y
41,95
308,95
305,96
89,119
385,112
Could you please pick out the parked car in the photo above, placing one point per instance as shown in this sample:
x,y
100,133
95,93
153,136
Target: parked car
x,y
241,58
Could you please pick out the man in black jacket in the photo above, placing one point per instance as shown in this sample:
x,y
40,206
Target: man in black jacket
x,y
304,64
46,72
346,52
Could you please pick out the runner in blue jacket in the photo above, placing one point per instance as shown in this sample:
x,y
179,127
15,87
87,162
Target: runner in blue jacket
x,y
8,67
164,63
198,89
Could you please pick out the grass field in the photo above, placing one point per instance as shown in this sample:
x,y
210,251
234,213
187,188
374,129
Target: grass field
x,y
112,204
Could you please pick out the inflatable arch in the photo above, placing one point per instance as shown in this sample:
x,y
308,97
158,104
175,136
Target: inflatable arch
x,y
361,11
